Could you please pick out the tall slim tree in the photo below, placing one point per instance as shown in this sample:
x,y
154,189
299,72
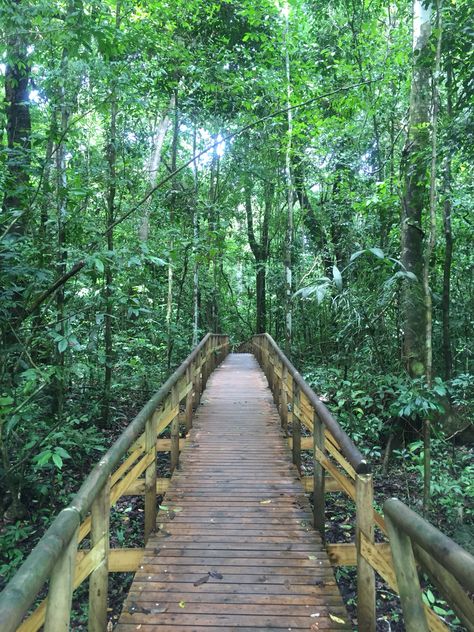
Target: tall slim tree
x,y
414,169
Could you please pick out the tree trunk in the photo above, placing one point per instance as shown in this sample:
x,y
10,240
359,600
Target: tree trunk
x,y
17,106
169,300
414,174
448,238
62,211
195,245
289,190
154,166
111,157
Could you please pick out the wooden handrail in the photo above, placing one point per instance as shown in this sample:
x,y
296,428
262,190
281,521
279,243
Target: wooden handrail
x,y
348,449
450,567
73,523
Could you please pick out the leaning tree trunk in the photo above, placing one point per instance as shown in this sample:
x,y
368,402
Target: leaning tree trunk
x,y
414,170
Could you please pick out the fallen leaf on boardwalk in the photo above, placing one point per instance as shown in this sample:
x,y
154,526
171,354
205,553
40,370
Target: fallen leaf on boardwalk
x,y
182,604
315,626
215,575
311,557
201,580
265,502
287,584
336,619
315,614
171,514
163,507
262,578
134,607
156,550
159,610
178,509
319,582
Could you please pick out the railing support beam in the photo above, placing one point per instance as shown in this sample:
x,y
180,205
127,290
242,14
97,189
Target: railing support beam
x,y
99,579
319,501
366,615
58,609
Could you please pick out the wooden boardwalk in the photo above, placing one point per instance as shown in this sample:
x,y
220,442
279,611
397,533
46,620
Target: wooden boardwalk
x,y
234,548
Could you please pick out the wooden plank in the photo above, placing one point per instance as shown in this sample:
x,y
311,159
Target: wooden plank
x,y
120,560
137,488
346,484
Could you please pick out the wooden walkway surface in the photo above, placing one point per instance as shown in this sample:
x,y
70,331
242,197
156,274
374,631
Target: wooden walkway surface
x,y
234,548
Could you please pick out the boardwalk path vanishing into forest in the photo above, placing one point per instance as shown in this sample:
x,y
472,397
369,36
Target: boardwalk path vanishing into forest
x,y
235,548
235,544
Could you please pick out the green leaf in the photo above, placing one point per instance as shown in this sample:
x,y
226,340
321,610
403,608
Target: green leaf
x,y
337,277
378,252
62,345
355,255
57,460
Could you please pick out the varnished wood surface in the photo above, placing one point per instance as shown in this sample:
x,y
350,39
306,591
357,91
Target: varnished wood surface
x,y
234,548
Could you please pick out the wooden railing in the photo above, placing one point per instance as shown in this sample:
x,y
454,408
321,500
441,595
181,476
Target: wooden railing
x,y
339,466
450,568
128,468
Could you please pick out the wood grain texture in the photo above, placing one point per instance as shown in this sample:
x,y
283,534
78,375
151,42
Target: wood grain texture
x,y
235,548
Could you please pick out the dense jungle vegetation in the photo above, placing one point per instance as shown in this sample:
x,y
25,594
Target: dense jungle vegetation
x,y
300,167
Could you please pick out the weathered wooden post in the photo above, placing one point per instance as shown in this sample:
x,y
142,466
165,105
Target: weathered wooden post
x,y
407,579
58,610
366,615
99,578
174,433
197,381
284,399
150,474
296,427
319,500
188,413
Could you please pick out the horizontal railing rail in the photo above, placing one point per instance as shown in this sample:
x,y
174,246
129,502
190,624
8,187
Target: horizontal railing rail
x,y
128,467
338,466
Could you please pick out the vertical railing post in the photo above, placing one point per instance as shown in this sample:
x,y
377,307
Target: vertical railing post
x,y
99,578
174,433
58,609
188,414
407,578
284,400
150,475
296,428
205,366
277,381
319,501
366,615
196,381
